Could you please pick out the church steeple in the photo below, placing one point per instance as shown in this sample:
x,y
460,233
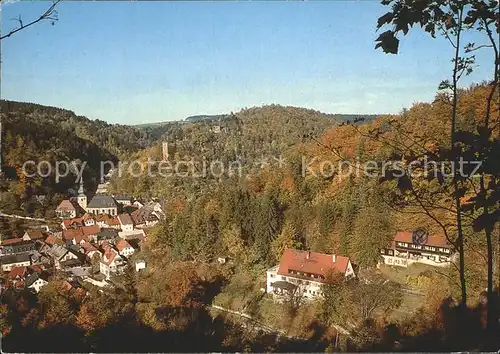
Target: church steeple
x,y
80,190
82,198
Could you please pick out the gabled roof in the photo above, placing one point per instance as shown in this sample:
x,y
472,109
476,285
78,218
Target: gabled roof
x,y
88,247
16,258
107,234
34,234
432,240
12,241
33,278
109,256
122,244
66,205
102,201
125,219
17,272
112,222
312,263
71,234
91,230
53,240
123,197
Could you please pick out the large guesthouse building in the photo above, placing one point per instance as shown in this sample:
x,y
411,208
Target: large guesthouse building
x,y
418,247
306,272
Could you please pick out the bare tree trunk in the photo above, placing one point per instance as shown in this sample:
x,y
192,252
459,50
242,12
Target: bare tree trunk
x,y
460,235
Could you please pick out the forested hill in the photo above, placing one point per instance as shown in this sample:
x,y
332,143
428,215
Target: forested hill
x,y
115,138
41,133
249,133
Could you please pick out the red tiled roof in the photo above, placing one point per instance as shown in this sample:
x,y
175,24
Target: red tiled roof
x,y
36,268
122,244
311,262
66,286
71,234
11,241
66,205
433,240
91,230
34,234
17,272
88,247
109,255
52,240
113,222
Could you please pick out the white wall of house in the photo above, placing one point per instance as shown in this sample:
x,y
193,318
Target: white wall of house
x,y
102,211
8,267
310,289
127,251
127,227
404,261
38,284
140,265
66,214
89,222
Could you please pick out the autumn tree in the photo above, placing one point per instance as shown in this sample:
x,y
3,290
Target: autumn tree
x,y
454,19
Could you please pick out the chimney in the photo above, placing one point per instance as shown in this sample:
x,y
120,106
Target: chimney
x,y
333,258
308,254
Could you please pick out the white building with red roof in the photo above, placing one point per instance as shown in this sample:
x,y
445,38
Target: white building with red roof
x,y
418,247
124,248
66,210
111,263
305,271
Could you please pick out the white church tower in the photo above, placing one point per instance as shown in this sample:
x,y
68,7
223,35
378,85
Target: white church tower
x,y
82,198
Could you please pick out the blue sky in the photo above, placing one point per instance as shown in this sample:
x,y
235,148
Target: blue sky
x,y
139,62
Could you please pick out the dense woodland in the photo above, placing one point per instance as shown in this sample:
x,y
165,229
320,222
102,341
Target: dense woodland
x,y
251,219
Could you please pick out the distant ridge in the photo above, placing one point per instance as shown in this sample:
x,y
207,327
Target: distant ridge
x,y
205,117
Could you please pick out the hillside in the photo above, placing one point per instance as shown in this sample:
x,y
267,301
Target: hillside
x,y
40,133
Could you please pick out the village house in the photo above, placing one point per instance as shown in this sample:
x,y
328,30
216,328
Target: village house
x,y
85,220
106,221
33,235
138,203
124,248
66,210
36,281
126,223
17,275
15,260
53,240
123,199
140,265
90,251
61,255
137,235
111,263
305,272
107,235
102,204
17,246
407,248
74,236
90,232
145,217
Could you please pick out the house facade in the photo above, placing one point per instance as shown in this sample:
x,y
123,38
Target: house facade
x,y
102,205
19,260
408,248
66,210
111,263
124,248
126,223
304,272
